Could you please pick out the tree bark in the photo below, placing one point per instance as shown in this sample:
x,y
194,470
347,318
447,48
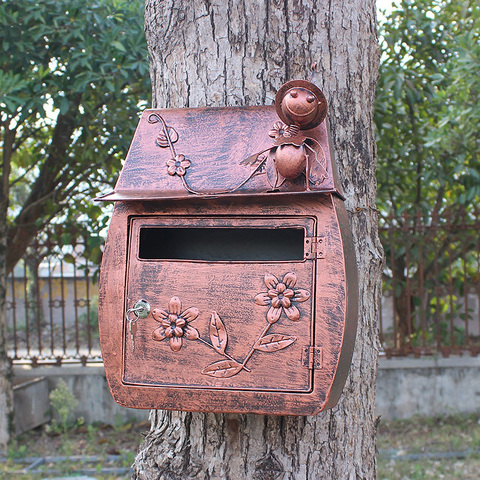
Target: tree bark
x,y
206,53
6,393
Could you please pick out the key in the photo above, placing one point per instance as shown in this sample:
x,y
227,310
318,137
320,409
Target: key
x,y
133,331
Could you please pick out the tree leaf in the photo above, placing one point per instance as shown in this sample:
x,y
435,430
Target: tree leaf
x,y
119,46
218,333
222,369
68,258
275,342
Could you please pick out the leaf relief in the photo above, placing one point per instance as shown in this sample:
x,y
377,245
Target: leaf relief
x,y
162,139
218,333
275,342
223,369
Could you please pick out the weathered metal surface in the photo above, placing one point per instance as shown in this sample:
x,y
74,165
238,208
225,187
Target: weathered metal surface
x,y
251,283
229,335
301,103
228,151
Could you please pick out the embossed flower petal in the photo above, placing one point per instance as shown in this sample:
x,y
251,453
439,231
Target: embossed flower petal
x,y
273,133
185,163
285,302
289,293
191,333
180,171
292,313
281,287
180,322
190,314
172,170
272,293
171,162
271,281
158,314
262,299
290,279
169,332
273,314
166,323
276,302
158,334
176,343
294,130
175,306
180,157
301,295
177,331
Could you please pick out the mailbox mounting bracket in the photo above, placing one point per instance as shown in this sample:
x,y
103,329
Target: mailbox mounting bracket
x,y
315,247
312,357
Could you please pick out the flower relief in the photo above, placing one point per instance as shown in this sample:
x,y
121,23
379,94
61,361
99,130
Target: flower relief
x,y
178,165
282,296
281,130
175,325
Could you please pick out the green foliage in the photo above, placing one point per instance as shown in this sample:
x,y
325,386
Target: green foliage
x,y
16,451
427,108
73,78
427,115
64,404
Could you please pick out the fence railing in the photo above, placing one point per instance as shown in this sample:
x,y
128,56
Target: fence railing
x,y
431,283
430,305
52,306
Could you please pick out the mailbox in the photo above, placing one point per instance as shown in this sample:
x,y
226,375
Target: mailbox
x,y
228,281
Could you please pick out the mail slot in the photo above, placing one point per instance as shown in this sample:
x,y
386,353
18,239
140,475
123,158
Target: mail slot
x,y
228,281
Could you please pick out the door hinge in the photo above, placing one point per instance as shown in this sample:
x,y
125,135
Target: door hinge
x,y
315,247
312,357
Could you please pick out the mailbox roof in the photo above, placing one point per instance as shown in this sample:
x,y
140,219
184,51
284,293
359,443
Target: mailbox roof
x,y
211,152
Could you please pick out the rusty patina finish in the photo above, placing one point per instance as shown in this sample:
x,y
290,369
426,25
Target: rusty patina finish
x,y
231,151
301,103
228,280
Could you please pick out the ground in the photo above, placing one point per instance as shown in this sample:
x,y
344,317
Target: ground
x,y
430,448
416,449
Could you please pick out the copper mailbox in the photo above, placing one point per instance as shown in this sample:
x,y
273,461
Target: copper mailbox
x,y
228,281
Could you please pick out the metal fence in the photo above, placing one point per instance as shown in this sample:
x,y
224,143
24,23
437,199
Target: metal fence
x,y
431,283
430,303
52,305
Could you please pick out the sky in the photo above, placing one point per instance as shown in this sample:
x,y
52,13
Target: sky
x,y
384,4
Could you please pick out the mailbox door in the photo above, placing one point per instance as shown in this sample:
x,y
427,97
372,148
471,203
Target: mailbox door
x,y
231,298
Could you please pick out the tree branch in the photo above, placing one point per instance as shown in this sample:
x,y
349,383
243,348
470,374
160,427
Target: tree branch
x,y
25,225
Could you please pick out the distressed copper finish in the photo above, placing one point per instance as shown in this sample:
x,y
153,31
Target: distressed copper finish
x,y
280,297
252,293
301,103
228,151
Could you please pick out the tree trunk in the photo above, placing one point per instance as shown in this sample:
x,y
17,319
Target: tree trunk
x,y
239,53
6,395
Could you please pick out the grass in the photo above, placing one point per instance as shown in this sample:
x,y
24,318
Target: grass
x,y
115,447
430,434
426,436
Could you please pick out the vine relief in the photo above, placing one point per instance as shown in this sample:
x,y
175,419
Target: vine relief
x,y
281,296
292,155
